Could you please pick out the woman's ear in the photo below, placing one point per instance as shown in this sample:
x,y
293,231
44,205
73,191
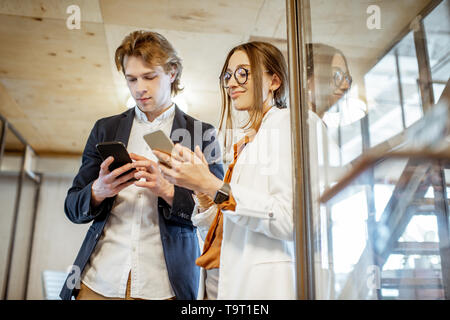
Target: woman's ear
x,y
276,82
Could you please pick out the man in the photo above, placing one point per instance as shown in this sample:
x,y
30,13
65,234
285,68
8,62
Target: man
x,y
141,244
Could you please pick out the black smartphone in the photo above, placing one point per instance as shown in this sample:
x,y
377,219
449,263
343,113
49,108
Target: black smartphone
x,y
118,151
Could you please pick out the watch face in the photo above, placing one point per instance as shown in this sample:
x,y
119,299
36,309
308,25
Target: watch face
x,y
220,197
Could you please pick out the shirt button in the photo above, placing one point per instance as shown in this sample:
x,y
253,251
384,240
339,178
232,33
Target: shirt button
x,y
271,215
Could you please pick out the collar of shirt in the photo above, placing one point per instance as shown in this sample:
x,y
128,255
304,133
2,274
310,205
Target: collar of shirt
x,y
142,117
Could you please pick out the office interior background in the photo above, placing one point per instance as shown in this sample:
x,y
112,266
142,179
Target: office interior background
x,y
380,228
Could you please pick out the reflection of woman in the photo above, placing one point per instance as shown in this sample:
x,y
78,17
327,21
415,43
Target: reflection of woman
x,y
328,77
328,81
248,252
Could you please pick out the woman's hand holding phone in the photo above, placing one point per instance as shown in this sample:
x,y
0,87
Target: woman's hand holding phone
x,y
189,170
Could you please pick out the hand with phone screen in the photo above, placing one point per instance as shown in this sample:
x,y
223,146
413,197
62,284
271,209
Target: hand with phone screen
x,y
110,183
116,172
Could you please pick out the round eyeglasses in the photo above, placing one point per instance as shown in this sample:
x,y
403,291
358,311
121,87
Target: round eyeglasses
x,y
339,76
240,75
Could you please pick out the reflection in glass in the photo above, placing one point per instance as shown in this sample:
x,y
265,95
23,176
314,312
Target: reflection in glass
x,y
378,231
437,26
393,92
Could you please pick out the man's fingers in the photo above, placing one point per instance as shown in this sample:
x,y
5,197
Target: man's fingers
x,y
137,157
104,167
117,172
148,165
168,174
123,179
146,175
145,184
141,164
122,186
153,166
163,158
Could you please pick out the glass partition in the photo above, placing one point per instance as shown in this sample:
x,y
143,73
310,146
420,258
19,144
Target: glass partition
x,y
378,177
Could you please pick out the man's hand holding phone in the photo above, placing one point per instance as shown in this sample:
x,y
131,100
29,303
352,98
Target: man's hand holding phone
x,y
154,180
110,183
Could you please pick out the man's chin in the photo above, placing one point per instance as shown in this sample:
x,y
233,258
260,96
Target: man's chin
x,y
145,107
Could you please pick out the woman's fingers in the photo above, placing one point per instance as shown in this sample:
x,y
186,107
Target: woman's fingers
x,y
198,152
162,157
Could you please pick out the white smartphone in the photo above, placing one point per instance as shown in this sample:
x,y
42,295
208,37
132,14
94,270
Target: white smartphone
x,y
158,140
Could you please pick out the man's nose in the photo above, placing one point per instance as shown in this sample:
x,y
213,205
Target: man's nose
x,y
140,87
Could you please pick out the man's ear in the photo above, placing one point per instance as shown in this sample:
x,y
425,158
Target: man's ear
x,y
276,82
173,74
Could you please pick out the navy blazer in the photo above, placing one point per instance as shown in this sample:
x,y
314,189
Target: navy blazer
x,y
178,235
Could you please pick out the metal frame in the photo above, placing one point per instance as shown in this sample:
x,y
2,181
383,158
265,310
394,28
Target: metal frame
x,y
3,139
400,88
298,33
12,236
22,175
31,241
442,216
425,81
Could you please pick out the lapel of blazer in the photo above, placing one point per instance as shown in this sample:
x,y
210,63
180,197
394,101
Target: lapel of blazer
x,y
124,127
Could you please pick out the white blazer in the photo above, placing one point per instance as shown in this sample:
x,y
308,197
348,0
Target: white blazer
x,y
257,253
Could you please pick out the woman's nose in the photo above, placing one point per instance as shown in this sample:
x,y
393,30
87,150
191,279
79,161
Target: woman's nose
x,y
232,83
345,85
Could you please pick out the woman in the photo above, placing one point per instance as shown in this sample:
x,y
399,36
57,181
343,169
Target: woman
x,y
248,217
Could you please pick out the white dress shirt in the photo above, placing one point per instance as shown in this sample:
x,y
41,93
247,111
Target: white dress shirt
x,y
131,240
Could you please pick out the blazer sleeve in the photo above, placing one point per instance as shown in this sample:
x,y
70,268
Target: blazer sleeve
x,y
268,212
77,205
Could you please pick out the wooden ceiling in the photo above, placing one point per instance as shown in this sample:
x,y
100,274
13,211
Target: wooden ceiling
x,y
55,82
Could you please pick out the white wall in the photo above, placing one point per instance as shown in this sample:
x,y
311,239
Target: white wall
x,y
56,239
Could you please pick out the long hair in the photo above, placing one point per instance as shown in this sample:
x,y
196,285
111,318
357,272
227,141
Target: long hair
x,y
259,54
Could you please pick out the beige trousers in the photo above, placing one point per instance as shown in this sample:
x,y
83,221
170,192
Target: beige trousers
x,y
86,293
